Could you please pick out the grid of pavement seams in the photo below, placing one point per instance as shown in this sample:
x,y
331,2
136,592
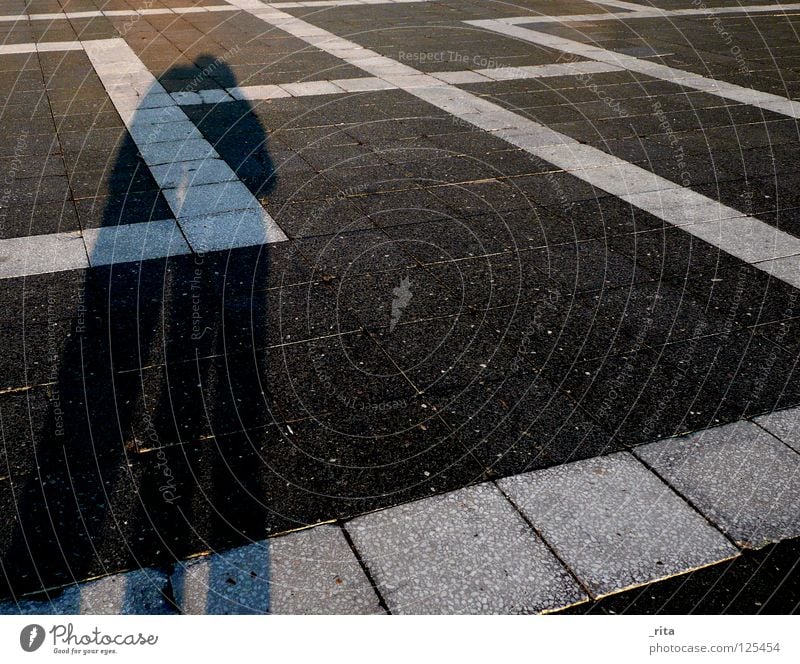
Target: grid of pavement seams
x,y
447,309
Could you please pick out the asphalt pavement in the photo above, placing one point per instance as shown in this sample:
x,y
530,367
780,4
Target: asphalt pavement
x,y
399,305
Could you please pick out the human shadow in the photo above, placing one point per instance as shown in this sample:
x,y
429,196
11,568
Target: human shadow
x,y
150,447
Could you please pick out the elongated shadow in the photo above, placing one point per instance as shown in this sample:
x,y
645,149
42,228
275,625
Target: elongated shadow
x,y
152,452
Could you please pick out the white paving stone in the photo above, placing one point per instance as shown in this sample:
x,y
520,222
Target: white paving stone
x,y
130,100
140,592
366,84
227,583
741,477
752,241
182,130
168,152
39,254
190,201
309,572
310,88
460,77
785,424
214,96
185,98
256,92
229,230
681,206
316,572
134,242
464,552
614,523
190,173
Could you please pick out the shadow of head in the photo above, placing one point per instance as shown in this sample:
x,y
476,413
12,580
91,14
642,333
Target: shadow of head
x,y
230,125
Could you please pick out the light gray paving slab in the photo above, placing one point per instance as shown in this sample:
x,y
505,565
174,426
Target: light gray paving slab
x,y
226,583
39,254
172,151
786,269
256,92
308,572
751,240
214,96
614,523
460,77
210,199
316,572
134,242
365,84
8,49
785,424
505,73
576,157
229,230
132,101
623,179
44,47
182,130
740,476
146,116
185,98
464,552
200,171
415,80
310,88
681,206
140,592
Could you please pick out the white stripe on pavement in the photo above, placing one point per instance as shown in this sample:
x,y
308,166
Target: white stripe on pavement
x,y
58,252
652,12
214,216
696,214
40,254
372,83
41,47
155,11
641,12
749,96
658,532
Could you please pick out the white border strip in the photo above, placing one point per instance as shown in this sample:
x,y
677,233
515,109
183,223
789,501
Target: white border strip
x,y
373,84
41,47
642,11
731,91
214,209
54,16
744,237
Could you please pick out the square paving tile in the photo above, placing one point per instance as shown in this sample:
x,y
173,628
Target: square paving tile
x,y
310,572
316,572
783,424
742,478
464,552
614,523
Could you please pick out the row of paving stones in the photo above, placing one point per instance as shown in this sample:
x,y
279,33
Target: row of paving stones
x,y
528,543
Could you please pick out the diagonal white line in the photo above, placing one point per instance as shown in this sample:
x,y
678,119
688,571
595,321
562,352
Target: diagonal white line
x,y
214,215
642,11
155,11
744,237
764,100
